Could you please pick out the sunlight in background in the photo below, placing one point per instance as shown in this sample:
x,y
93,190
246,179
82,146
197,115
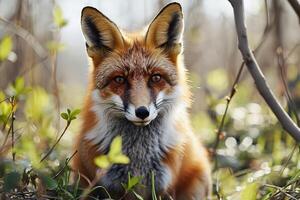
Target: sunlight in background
x,y
252,156
129,15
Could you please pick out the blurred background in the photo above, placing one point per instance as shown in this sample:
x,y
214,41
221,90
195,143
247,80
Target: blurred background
x,y
43,63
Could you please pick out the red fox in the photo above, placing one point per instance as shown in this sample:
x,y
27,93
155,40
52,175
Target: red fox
x,y
138,89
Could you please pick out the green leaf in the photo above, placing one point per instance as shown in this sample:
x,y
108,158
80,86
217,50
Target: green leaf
x,y
64,116
19,85
2,96
72,118
5,109
48,182
120,159
17,89
75,112
115,147
58,17
11,181
250,192
133,181
5,47
55,46
114,155
102,162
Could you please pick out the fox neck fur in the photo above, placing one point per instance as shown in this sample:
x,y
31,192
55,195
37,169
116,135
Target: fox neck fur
x,y
146,146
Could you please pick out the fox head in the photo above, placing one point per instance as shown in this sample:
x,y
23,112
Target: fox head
x,y
135,76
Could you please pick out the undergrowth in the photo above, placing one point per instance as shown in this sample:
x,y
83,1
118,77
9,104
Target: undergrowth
x,y
255,158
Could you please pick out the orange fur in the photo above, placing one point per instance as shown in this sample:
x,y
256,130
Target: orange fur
x,y
188,161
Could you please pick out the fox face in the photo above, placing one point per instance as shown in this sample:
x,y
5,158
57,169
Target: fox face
x,y
138,90
135,76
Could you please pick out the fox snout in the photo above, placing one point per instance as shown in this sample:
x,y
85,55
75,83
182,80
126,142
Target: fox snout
x,y
142,112
141,115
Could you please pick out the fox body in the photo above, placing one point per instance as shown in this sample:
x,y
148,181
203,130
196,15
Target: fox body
x,y
138,90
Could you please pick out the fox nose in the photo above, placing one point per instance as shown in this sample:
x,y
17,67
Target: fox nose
x,y
142,112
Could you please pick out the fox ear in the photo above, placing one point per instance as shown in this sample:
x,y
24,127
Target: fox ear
x,y
101,34
165,31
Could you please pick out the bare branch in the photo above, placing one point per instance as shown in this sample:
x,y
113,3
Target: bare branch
x,y
296,6
287,123
57,141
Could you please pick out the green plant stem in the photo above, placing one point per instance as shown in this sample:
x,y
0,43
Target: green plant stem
x,y
92,187
13,137
57,141
153,186
66,164
7,98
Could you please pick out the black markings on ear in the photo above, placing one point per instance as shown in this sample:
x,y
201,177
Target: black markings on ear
x,y
94,34
174,29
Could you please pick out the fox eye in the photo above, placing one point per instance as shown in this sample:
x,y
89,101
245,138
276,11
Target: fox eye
x,y
155,78
119,79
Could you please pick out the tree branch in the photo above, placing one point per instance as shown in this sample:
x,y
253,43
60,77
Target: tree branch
x,y
287,123
296,6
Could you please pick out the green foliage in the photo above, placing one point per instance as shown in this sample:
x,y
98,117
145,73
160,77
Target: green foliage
x,y
250,191
5,108
132,182
54,46
48,182
6,45
70,115
58,17
11,180
37,104
17,89
35,114
114,156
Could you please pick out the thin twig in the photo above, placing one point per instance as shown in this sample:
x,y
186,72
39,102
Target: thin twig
x,y
57,141
6,121
66,164
13,117
288,159
281,190
287,123
291,103
7,98
228,99
5,146
268,28
6,137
